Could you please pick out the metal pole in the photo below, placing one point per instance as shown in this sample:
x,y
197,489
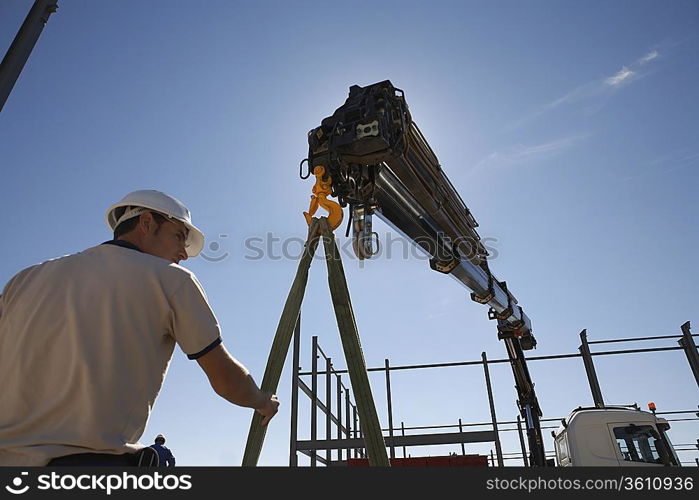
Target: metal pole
x,y
498,448
339,416
463,446
690,349
347,419
328,404
390,408
295,369
590,370
314,396
18,53
356,429
521,442
402,432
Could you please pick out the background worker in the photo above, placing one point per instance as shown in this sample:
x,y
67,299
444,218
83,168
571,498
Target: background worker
x,y
166,458
86,339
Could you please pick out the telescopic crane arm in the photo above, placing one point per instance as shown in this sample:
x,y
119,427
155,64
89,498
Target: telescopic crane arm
x,y
380,163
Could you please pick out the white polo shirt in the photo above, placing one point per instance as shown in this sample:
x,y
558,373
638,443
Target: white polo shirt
x,y
85,343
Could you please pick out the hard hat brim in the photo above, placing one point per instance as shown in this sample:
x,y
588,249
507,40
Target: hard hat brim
x,y
195,240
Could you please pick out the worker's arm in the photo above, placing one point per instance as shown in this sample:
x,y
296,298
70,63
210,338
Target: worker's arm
x,y
232,381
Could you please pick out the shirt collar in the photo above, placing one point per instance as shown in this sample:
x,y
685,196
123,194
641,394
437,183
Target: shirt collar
x,y
123,244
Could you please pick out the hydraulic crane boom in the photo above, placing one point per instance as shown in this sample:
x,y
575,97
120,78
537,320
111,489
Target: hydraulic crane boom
x,y
379,162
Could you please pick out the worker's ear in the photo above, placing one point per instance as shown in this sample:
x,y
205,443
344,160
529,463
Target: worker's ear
x,y
145,222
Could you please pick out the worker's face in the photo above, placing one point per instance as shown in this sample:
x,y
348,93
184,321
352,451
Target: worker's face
x,y
166,241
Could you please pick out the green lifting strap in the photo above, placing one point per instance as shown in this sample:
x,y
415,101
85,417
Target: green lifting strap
x,y
356,366
280,345
376,448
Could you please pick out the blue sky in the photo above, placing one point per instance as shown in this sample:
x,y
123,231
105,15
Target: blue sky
x,y
569,129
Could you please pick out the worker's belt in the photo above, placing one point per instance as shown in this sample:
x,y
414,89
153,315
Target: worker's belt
x,y
145,457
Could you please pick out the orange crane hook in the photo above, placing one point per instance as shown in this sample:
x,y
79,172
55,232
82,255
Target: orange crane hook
x,y
321,190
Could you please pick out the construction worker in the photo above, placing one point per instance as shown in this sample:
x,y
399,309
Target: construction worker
x,y
166,458
86,340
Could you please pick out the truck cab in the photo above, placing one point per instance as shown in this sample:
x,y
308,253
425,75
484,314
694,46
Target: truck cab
x,y
613,436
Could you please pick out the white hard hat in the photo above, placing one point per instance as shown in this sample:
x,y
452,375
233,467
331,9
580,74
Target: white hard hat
x,y
162,203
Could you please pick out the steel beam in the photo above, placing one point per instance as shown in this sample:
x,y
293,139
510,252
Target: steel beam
x,y
390,407
314,395
23,44
521,441
295,369
410,440
690,349
590,370
491,402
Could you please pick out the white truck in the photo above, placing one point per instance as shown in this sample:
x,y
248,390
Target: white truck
x,y
613,436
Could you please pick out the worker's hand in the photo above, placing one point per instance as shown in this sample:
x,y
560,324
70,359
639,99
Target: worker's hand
x,y
269,408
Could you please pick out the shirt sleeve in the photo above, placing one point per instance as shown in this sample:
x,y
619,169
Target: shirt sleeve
x,y
194,325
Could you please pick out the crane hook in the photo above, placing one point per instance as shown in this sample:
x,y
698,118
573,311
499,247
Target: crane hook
x,y
321,190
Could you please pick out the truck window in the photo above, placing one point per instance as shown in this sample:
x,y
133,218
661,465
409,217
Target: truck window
x,y
637,443
562,449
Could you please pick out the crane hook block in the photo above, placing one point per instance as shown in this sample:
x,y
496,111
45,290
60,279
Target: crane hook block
x,y
321,190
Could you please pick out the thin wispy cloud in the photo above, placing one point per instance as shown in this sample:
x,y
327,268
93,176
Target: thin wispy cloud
x,y
444,307
520,152
679,156
653,54
521,155
667,163
624,75
594,94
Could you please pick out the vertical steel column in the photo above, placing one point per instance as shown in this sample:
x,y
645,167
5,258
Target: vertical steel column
x,y
521,441
690,349
328,407
314,396
356,430
463,447
590,370
494,418
23,44
347,418
295,370
390,408
492,458
339,416
402,432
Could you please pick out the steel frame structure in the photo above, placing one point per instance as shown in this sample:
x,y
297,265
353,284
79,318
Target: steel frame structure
x,y
348,437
